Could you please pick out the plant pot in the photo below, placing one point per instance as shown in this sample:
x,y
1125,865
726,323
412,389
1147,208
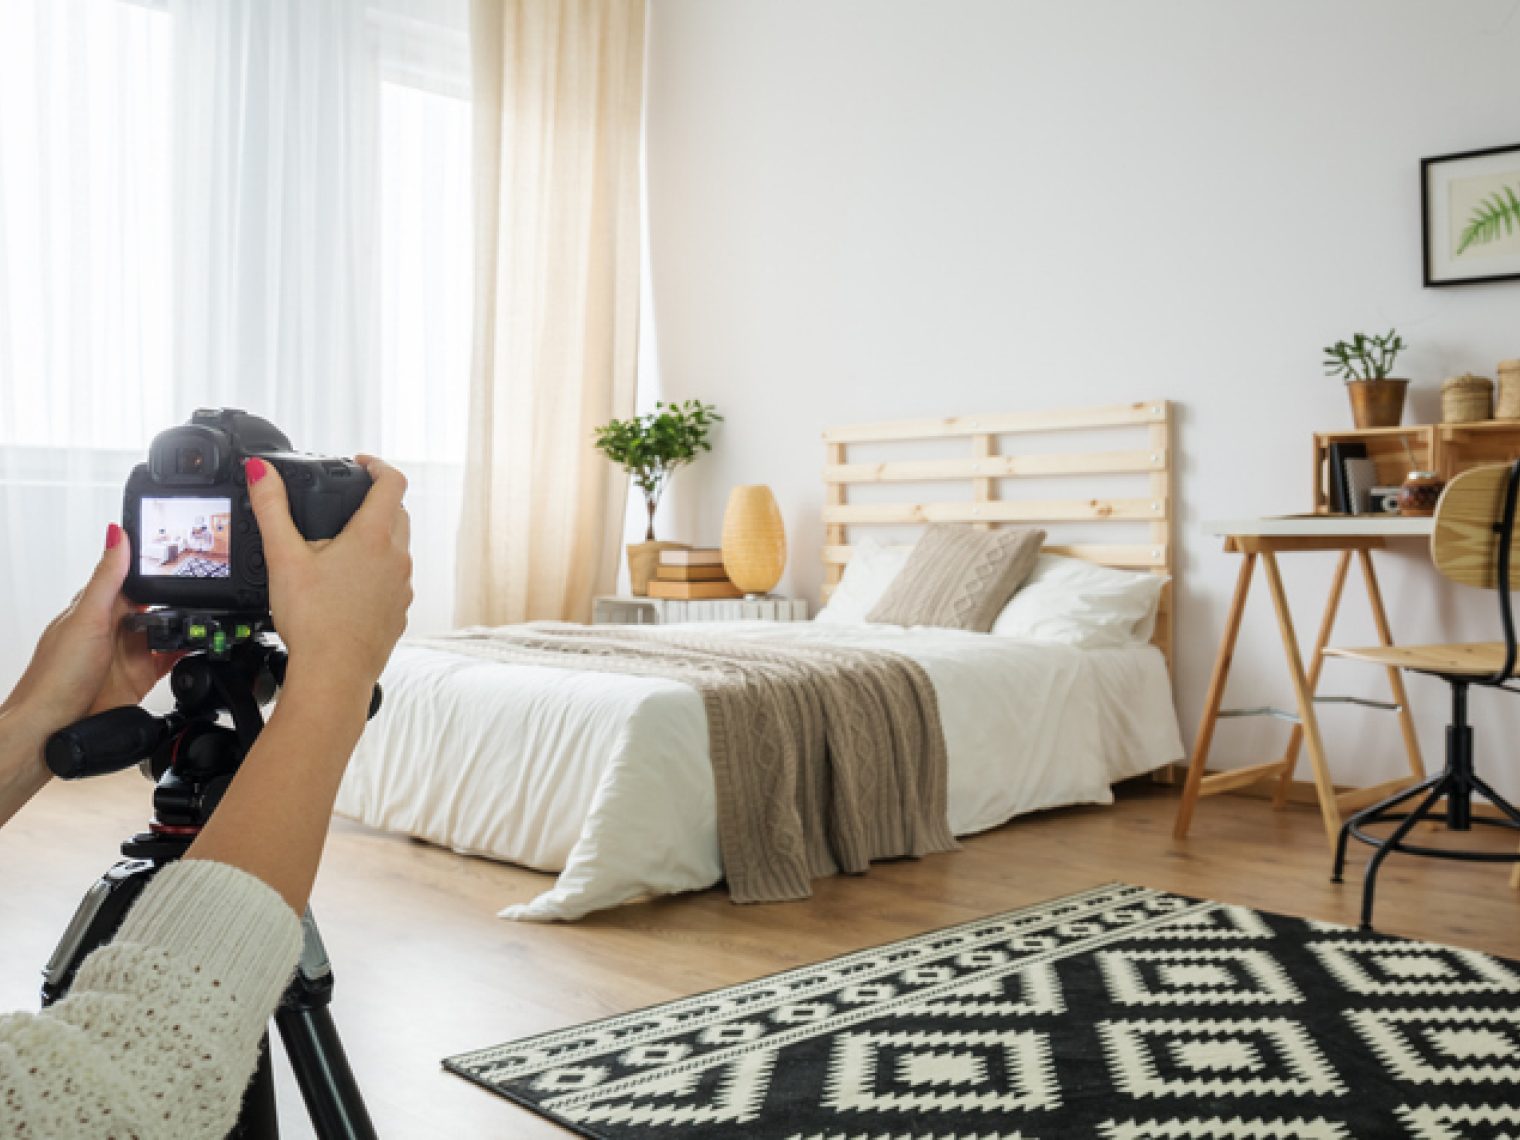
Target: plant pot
x,y
644,560
1377,403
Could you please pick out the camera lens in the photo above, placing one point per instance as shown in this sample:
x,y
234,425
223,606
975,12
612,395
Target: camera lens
x,y
191,461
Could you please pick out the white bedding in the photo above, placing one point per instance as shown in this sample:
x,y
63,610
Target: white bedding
x,y
605,778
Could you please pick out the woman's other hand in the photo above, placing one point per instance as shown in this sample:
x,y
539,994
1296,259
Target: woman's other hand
x,y
85,662
339,605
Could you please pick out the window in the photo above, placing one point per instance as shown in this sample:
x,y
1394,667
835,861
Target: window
x,y
85,180
425,284
131,290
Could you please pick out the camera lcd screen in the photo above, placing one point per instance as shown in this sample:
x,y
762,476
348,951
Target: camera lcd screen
x,y
185,538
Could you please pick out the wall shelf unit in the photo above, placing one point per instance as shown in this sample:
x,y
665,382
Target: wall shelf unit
x,y
1447,449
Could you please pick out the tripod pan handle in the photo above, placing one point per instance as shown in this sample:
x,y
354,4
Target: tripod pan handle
x,y
104,743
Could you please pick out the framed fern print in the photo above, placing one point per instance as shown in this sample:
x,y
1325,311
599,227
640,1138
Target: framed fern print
x,y
1471,207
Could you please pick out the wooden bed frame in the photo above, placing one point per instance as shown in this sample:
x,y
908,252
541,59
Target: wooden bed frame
x,y
992,472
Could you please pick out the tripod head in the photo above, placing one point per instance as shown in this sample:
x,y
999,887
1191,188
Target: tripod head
x,y
229,668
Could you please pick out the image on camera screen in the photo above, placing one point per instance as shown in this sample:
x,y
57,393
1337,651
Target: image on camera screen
x,y
185,538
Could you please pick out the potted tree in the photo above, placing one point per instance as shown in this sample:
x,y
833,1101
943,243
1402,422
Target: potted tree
x,y
1364,362
651,448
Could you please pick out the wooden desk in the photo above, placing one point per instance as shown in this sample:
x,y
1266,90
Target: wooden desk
x,y
1265,539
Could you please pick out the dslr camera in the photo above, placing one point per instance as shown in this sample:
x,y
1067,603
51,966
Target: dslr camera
x,y
195,543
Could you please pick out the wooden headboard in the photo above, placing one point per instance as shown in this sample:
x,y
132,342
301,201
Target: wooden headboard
x,y
981,487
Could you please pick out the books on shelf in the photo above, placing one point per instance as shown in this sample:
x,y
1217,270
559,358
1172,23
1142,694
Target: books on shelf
x,y
691,573
696,556
1342,501
688,591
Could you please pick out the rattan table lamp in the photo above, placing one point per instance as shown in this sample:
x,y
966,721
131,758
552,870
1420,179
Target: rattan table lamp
x,y
754,539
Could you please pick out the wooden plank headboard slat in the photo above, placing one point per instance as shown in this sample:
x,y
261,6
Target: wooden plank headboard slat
x,y
1124,557
1143,462
999,467
1002,423
1011,510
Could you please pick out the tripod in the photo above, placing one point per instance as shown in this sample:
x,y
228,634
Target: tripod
x,y
193,758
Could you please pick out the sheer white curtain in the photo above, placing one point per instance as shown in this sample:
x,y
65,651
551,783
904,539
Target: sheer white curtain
x,y
85,300
259,203
559,110
275,128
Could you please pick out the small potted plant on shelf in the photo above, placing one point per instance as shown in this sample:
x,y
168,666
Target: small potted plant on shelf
x,y
651,448
1365,361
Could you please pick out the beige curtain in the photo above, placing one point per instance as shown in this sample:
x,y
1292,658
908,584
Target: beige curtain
x,y
558,93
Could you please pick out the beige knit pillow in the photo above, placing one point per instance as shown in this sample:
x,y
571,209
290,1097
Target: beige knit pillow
x,y
959,578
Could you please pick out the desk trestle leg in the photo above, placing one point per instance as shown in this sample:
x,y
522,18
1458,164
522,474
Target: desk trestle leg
x,y
1305,685
1201,743
1326,627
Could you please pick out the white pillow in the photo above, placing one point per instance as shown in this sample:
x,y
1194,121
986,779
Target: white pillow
x,y
867,575
1082,604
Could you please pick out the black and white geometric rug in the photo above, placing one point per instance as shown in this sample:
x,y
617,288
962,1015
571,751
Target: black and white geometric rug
x,y
1122,1013
197,567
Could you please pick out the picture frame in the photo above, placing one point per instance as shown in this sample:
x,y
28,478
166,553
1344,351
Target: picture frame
x,y
1470,216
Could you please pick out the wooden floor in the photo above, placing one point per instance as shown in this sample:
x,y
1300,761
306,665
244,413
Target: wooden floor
x,y
424,968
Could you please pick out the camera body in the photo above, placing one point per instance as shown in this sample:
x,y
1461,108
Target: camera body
x,y
195,542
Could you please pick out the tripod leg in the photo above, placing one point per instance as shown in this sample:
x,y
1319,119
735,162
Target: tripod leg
x,y
316,1055
95,923
327,1083
258,1119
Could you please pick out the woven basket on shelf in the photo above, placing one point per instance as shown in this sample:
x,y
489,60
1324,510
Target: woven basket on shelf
x,y
1467,398
1507,406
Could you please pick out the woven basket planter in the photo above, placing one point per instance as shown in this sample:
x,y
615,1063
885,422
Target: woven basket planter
x,y
644,562
1467,399
1507,406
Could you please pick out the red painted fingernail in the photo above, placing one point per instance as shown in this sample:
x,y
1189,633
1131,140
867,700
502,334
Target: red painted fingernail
x,y
113,536
256,469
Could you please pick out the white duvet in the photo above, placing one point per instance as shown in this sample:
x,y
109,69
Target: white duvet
x,y
605,778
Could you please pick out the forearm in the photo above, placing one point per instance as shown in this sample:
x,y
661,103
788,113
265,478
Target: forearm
x,y
22,771
161,1029
272,822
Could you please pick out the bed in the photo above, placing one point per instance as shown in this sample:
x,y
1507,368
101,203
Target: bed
x,y
606,781
161,551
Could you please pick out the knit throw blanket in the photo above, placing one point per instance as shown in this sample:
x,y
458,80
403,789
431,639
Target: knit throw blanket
x,y
824,758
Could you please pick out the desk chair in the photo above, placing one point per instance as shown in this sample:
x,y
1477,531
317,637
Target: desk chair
x,y
1473,544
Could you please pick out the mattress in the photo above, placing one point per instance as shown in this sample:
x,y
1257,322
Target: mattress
x,y
604,779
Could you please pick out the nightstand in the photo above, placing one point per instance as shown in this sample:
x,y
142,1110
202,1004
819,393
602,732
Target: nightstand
x,y
626,609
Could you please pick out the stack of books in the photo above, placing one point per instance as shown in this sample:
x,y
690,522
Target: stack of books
x,y
688,575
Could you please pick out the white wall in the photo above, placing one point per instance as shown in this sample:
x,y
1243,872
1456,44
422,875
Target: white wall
x,y
870,209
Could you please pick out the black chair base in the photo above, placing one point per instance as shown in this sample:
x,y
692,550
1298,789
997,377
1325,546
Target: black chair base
x,y
1456,784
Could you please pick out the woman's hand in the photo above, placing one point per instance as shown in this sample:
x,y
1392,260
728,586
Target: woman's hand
x,y
85,662
339,605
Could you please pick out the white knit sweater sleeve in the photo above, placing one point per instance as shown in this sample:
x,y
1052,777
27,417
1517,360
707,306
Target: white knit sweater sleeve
x,y
160,1032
